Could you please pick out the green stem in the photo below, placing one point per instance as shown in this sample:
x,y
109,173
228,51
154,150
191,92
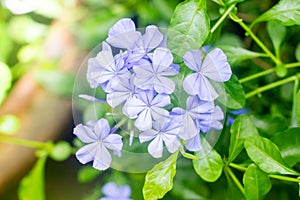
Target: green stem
x,y
257,75
235,18
270,86
279,177
292,65
187,155
234,178
24,142
214,28
294,122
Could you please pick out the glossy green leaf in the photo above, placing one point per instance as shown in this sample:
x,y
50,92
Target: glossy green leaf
x,y
32,185
9,124
60,83
288,143
241,129
277,34
231,2
234,96
256,183
297,52
297,106
235,54
5,80
87,173
267,156
189,27
210,164
159,180
286,12
61,151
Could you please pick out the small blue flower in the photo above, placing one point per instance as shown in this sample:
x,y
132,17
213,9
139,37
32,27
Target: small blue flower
x,y
97,137
195,110
114,192
145,106
164,131
153,74
214,67
194,144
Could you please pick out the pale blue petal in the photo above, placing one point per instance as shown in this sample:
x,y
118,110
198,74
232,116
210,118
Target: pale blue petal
x,y
172,142
85,134
113,142
144,121
102,128
92,73
102,158
147,135
87,153
191,84
117,98
161,100
189,128
163,85
206,90
162,59
91,98
106,47
113,190
155,148
146,96
216,67
159,113
194,144
172,70
152,38
193,59
121,26
133,107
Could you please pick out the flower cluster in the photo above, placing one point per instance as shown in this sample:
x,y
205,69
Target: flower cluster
x,y
137,77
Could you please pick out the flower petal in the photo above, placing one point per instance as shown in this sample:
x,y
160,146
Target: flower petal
x,y
159,113
172,142
117,98
206,90
152,38
155,148
144,120
216,67
87,153
102,128
163,85
194,144
113,142
133,107
102,158
147,135
162,59
85,134
161,100
193,59
189,128
191,84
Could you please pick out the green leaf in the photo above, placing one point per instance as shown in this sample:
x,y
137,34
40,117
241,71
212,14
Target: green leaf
x,y
231,2
189,27
241,129
233,192
277,34
266,155
61,151
87,173
159,180
5,80
297,106
60,83
235,54
288,143
297,52
210,164
9,124
286,12
234,96
32,185
256,183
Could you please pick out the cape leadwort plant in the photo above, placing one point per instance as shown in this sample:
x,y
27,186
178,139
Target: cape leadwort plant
x,y
138,79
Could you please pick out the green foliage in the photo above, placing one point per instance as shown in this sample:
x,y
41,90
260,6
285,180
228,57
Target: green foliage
x,y
297,106
256,182
189,19
297,52
267,156
241,129
61,151
209,165
159,180
277,34
286,12
5,80
231,2
87,173
32,185
288,143
9,124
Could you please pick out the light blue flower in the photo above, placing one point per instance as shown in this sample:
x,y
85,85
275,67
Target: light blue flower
x,y
194,144
98,139
164,131
195,108
114,192
214,67
146,106
153,74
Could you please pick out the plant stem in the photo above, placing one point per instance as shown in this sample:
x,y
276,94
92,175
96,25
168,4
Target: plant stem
x,y
24,142
270,86
279,177
292,65
214,28
235,18
187,155
234,178
294,121
257,75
